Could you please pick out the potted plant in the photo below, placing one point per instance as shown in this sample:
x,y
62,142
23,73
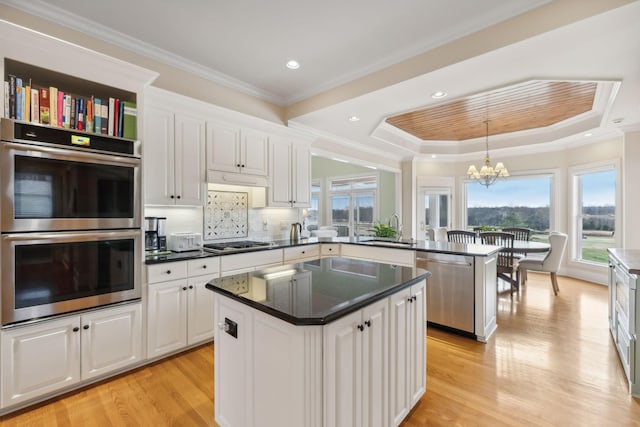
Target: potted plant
x,y
384,230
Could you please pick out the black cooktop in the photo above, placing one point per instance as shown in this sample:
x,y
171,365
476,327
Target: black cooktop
x,y
239,244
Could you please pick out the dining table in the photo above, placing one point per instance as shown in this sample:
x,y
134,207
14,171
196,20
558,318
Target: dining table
x,y
527,246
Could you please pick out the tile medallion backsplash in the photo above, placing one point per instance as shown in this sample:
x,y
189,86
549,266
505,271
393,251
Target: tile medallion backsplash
x,y
226,215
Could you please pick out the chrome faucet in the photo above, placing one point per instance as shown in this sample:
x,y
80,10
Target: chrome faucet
x,y
398,226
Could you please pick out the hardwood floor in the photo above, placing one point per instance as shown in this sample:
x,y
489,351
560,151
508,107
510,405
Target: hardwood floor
x,y
550,363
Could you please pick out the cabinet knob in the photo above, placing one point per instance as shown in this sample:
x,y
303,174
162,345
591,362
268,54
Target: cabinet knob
x,y
190,286
171,196
302,252
168,271
361,327
410,299
184,288
368,323
76,329
85,327
178,197
204,266
415,298
242,165
238,165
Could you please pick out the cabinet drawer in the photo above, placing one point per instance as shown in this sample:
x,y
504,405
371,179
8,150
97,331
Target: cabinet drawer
x,y
202,266
166,271
386,255
301,252
330,249
249,261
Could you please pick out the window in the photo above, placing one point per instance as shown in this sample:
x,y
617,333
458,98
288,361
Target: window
x,y
594,213
352,203
523,201
313,213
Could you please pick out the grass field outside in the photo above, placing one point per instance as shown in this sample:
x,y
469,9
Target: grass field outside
x,y
594,248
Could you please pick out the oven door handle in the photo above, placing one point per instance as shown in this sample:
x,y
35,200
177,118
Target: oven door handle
x,y
70,153
72,236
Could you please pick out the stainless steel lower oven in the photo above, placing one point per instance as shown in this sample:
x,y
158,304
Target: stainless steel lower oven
x,y
45,274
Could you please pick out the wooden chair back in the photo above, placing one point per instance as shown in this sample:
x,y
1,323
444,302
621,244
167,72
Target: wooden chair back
x,y
461,236
519,233
505,256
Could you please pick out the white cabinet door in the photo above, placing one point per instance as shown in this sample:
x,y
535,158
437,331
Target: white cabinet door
x,y
375,364
254,152
418,345
343,371
173,156
399,356
189,160
223,147
301,172
111,339
39,359
407,361
167,317
290,173
158,154
280,188
200,303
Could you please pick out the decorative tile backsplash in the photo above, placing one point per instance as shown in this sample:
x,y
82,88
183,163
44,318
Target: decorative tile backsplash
x,y
226,215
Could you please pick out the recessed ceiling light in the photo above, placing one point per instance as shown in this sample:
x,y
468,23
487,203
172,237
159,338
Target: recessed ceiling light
x,y
354,118
439,94
292,64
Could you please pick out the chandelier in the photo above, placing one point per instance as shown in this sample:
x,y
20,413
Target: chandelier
x,y
488,174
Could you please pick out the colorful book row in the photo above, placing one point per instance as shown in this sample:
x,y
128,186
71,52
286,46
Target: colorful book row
x,y
50,106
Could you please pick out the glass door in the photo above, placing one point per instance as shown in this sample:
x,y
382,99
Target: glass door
x,y
434,210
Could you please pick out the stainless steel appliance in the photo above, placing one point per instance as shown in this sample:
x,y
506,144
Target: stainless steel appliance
x,y
296,230
450,290
70,220
155,234
236,246
50,182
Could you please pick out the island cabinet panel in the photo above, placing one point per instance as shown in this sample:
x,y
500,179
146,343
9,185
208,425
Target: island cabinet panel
x,y
268,372
386,255
356,368
485,287
407,360
301,253
250,261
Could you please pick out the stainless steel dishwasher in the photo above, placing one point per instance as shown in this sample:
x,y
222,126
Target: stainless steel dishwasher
x,y
450,290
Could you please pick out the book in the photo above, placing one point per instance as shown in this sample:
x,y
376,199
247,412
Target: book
x,y
53,106
12,96
120,119
110,116
129,120
19,99
35,105
44,105
105,118
89,118
116,116
80,113
27,103
73,112
66,119
97,115
5,113
60,108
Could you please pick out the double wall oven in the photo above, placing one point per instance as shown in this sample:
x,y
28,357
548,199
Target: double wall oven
x,y
70,216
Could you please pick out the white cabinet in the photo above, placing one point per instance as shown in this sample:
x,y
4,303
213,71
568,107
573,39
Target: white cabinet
x,y
290,174
407,361
329,249
404,257
249,261
45,357
358,344
174,158
231,149
301,253
180,309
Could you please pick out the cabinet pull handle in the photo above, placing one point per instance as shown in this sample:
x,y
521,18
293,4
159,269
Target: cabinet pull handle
x,y
190,286
171,196
238,165
178,197
410,299
85,327
184,288
242,165
415,298
361,327
204,266
76,329
302,252
368,323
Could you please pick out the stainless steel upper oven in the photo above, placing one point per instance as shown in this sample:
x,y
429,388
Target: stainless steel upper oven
x,y
45,274
57,179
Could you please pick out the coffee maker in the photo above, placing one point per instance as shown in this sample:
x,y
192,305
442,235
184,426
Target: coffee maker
x,y
155,236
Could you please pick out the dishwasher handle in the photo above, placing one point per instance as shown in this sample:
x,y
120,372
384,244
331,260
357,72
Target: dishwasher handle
x,y
453,263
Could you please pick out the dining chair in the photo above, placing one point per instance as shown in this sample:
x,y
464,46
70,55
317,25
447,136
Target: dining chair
x,y
507,262
519,233
550,263
461,236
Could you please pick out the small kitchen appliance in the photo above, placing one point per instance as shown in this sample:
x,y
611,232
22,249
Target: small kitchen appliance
x,y
184,242
296,230
155,238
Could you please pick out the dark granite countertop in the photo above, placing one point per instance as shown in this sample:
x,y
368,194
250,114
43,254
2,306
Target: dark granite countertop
x,y
419,245
317,292
629,258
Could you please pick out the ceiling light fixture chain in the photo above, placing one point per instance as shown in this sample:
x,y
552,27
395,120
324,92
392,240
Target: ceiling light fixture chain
x,y
487,174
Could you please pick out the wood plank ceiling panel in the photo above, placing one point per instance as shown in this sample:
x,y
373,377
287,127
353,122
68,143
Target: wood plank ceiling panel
x,y
516,108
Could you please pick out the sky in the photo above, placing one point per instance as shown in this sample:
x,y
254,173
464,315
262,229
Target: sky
x,y
598,190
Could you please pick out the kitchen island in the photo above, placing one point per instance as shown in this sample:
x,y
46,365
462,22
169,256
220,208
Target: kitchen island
x,y
329,342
